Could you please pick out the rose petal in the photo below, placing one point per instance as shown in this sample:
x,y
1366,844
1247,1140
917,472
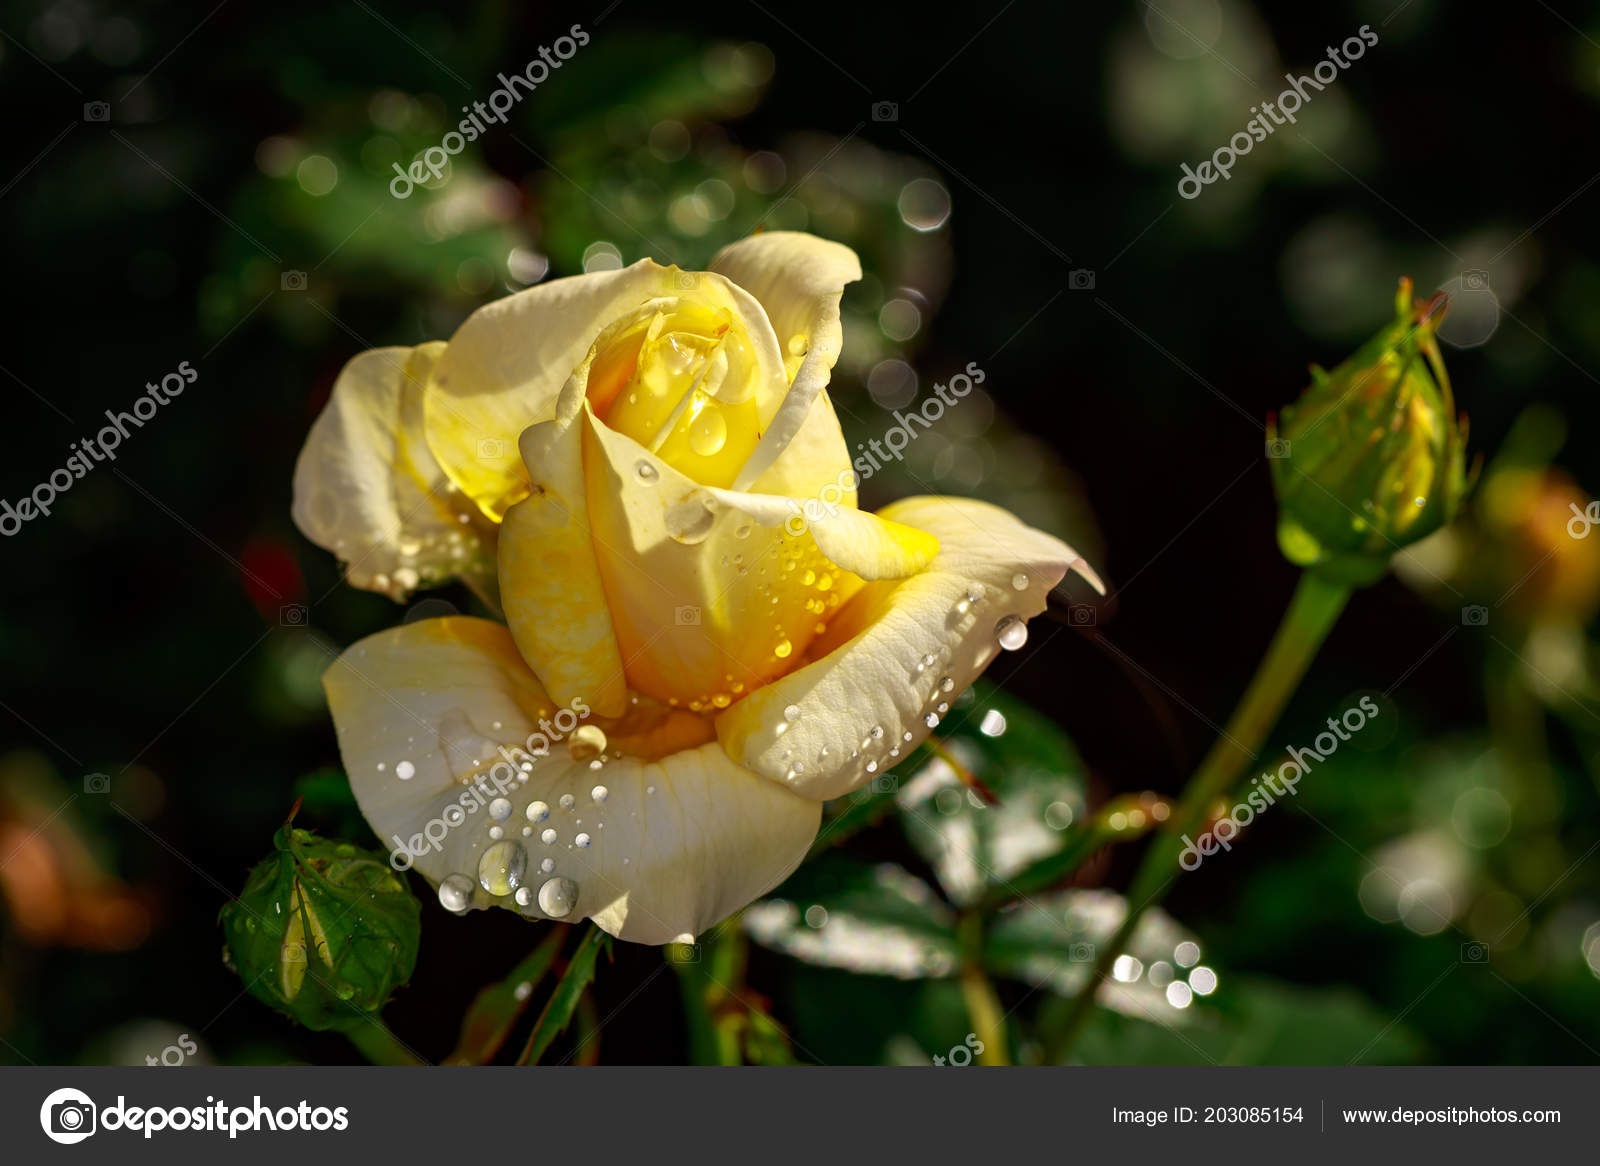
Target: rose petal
x,y
508,363
705,602
367,488
670,846
897,651
550,584
798,279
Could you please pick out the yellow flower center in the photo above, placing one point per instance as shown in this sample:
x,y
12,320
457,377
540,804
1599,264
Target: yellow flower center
x,y
679,377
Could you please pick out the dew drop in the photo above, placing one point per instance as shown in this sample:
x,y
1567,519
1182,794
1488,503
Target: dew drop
x,y
547,865
586,741
791,712
583,841
645,472
500,809
568,801
947,685
708,432
501,866
599,793
537,811
783,649
1019,582
1012,633
524,896
548,837
557,897
405,771
689,522
455,893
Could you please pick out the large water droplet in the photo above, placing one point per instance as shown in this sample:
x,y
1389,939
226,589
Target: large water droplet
x,y
501,867
537,811
586,741
524,896
582,841
708,432
1012,633
548,837
1019,581
689,522
455,893
500,809
405,771
599,793
557,897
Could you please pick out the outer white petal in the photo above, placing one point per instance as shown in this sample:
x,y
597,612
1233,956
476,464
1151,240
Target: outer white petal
x,y
798,279
367,488
898,651
657,849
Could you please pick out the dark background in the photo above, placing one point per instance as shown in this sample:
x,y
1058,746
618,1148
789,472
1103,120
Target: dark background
x,y
142,634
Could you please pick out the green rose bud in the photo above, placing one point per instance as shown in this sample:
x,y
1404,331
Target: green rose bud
x,y
323,930
1371,458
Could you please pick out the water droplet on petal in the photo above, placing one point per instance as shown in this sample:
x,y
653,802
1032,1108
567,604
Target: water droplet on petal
x,y
599,793
568,801
708,432
537,811
405,771
1012,633
1019,581
500,809
501,866
455,893
586,741
791,713
548,837
646,473
524,896
583,841
557,897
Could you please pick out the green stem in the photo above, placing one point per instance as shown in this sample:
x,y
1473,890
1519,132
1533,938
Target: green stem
x,y
983,1003
1312,612
380,1046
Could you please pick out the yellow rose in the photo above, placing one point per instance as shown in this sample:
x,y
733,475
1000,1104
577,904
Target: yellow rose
x,y
705,637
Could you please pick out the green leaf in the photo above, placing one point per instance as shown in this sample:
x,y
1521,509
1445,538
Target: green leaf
x,y
1052,941
1258,1022
497,1008
841,913
563,1001
1032,769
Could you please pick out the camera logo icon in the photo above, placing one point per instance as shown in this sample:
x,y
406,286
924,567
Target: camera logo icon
x,y
1475,279
97,783
1082,615
1278,447
493,449
683,953
885,111
68,1116
293,615
292,281
885,783
1475,615
686,616
1080,279
96,111
1474,953
1081,953
686,280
